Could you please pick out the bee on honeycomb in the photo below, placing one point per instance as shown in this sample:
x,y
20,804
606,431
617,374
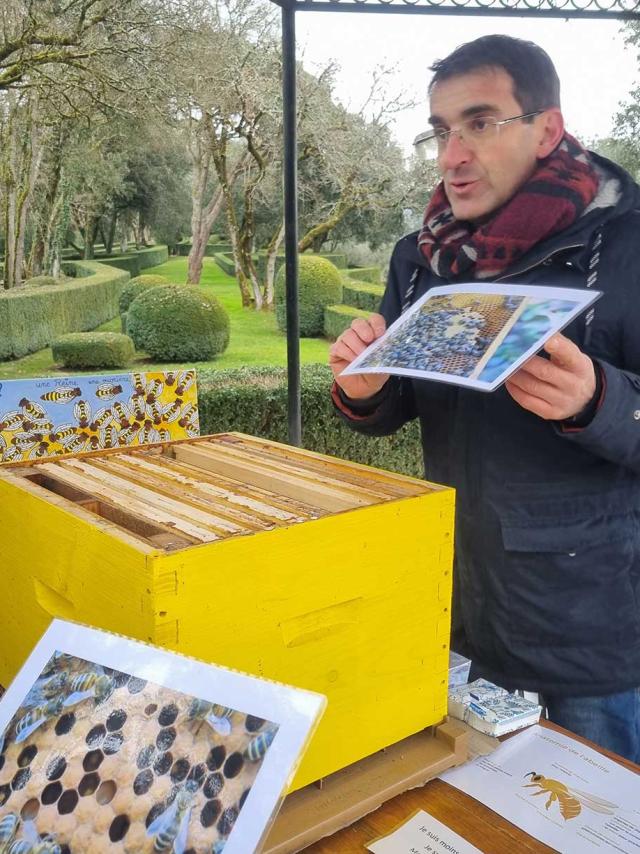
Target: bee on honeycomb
x,y
98,760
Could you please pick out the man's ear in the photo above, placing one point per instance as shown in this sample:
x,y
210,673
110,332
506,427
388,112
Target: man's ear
x,y
551,131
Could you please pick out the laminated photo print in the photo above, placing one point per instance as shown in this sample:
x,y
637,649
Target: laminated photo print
x,y
106,742
472,335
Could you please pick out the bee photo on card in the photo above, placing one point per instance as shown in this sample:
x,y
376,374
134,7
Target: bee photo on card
x,y
104,741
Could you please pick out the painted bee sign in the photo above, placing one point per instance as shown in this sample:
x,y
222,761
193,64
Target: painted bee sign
x,y
71,415
106,741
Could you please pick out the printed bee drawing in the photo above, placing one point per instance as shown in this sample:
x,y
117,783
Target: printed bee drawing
x,y
570,800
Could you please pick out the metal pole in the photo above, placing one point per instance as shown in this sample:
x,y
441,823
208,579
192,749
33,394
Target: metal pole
x,y
291,220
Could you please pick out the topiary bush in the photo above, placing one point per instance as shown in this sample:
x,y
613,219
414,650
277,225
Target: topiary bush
x,y
134,287
93,350
31,318
178,323
319,285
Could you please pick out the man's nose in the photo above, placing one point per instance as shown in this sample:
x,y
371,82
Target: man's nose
x,y
455,152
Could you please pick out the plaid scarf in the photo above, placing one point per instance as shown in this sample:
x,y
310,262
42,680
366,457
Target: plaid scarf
x,y
551,200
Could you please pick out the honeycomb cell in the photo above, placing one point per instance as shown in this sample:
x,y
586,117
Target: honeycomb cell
x,y
51,793
119,828
180,770
27,756
226,821
116,720
213,786
143,782
5,793
88,784
165,738
65,723
145,757
153,813
198,773
233,765
112,743
67,802
95,735
253,724
210,813
106,792
92,760
20,779
120,679
135,685
56,768
30,809
151,709
168,714
163,763
216,757
243,798
1,761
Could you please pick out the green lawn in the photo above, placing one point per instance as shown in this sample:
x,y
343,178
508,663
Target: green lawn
x,y
255,338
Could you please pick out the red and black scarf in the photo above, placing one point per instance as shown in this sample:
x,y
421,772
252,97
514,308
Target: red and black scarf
x,y
551,200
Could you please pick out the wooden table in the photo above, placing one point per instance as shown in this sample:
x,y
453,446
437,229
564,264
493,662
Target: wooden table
x,y
478,824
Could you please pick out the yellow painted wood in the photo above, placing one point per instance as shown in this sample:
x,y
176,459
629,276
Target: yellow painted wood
x,y
354,604
61,564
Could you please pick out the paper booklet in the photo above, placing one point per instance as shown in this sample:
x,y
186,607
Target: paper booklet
x,y
106,742
473,334
491,709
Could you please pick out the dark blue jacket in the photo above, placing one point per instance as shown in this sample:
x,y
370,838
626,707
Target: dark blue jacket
x,y
547,575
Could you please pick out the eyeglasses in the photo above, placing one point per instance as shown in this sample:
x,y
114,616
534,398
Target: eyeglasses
x,y
474,132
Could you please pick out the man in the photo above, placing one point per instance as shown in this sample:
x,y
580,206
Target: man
x,y
547,576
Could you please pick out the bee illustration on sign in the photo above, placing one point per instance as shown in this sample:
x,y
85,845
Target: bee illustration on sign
x,y
61,394
570,800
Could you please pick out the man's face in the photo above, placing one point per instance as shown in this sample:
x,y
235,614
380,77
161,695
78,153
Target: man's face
x,y
479,179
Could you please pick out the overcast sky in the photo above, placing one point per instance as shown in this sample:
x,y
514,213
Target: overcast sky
x,y
596,70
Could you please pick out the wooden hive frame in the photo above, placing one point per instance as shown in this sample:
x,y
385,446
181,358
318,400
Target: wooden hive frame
x,y
300,567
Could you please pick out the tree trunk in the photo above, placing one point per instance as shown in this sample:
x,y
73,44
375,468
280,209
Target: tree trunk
x,y
202,222
20,175
346,203
110,235
270,266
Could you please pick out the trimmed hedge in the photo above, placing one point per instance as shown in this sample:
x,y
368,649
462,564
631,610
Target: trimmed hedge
x,y
337,259
32,317
176,323
365,274
136,261
136,286
337,318
211,250
93,350
41,281
362,295
320,285
254,401
225,261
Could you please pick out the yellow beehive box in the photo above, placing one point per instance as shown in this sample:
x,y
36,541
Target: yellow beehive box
x,y
299,567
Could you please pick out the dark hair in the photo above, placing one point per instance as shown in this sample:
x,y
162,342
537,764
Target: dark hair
x,y
535,81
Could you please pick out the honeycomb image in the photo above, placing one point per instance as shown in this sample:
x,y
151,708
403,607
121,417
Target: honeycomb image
x,y
448,334
98,760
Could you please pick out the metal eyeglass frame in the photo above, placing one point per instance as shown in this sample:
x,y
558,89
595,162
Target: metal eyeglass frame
x,y
441,138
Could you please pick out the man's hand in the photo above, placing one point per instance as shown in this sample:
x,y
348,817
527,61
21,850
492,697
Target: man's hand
x,y
557,388
361,333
